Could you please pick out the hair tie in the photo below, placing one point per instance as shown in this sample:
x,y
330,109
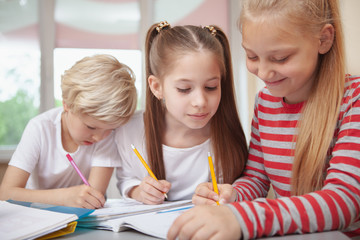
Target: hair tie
x,y
211,29
161,25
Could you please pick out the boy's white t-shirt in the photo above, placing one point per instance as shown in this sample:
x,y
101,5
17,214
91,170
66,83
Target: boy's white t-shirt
x,y
185,168
40,153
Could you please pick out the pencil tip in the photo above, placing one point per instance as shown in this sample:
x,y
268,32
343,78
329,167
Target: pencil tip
x,y
209,155
132,146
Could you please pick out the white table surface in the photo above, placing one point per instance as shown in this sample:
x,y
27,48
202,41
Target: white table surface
x,y
90,234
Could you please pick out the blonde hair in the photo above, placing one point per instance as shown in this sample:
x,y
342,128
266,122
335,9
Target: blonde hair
x,y
100,87
227,136
317,124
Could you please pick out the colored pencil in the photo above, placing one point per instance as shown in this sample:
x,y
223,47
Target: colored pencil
x,y
213,176
145,164
71,160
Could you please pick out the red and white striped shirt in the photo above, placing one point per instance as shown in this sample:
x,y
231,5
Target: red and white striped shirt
x,y
335,206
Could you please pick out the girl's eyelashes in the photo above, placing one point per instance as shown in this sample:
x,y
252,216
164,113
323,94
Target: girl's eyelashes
x,y
183,90
252,58
283,59
211,88
187,90
280,60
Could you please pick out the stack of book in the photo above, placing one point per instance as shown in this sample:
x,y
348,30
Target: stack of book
x,y
20,220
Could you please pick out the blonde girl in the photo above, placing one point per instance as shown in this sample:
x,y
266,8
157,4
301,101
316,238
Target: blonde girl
x,y
305,131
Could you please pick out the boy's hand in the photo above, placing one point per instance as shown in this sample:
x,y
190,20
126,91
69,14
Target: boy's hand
x,y
205,195
150,191
83,196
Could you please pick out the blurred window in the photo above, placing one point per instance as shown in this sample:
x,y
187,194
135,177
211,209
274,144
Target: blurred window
x,y
19,69
82,28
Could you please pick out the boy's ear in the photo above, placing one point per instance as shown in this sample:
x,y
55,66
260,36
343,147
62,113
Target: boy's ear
x,y
327,35
155,86
65,106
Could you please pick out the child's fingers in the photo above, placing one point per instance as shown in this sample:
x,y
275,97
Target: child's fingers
x,y
178,224
97,198
198,200
89,197
204,194
227,193
152,200
191,225
204,189
165,185
149,193
93,202
205,222
162,186
88,205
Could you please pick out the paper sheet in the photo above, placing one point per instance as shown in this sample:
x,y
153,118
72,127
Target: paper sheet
x,y
155,224
19,222
115,208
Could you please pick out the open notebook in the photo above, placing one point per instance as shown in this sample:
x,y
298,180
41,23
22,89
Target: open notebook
x,y
155,224
122,214
20,222
123,207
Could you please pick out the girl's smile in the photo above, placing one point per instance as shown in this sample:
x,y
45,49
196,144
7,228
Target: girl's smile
x,y
275,83
199,116
286,62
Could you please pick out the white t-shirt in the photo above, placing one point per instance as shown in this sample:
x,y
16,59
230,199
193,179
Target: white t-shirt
x,y
185,168
40,153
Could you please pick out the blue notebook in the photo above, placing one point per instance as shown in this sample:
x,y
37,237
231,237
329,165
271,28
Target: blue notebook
x,y
80,212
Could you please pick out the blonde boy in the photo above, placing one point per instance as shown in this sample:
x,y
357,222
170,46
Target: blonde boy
x,y
99,95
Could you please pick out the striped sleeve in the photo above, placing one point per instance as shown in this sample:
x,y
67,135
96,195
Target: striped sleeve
x,y
254,183
335,207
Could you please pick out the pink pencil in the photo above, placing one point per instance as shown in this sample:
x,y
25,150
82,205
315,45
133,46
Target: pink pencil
x,y
77,169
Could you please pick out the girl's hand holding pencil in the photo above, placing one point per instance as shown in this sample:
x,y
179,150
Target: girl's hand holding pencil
x,y
151,190
212,193
205,194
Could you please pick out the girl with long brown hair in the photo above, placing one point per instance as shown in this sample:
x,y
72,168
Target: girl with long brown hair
x,y
190,111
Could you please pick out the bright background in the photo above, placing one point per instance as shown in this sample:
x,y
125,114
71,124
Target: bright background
x,y
40,39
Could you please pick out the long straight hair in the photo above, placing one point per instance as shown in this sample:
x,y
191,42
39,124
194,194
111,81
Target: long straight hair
x,y
227,136
317,124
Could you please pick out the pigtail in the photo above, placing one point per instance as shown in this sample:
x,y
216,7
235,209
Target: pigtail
x,y
228,138
151,34
154,121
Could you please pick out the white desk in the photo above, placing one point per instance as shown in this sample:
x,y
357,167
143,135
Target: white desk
x,y
89,234
333,235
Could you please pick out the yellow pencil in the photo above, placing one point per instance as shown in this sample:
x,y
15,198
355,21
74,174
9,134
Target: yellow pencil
x,y
145,165
213,176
